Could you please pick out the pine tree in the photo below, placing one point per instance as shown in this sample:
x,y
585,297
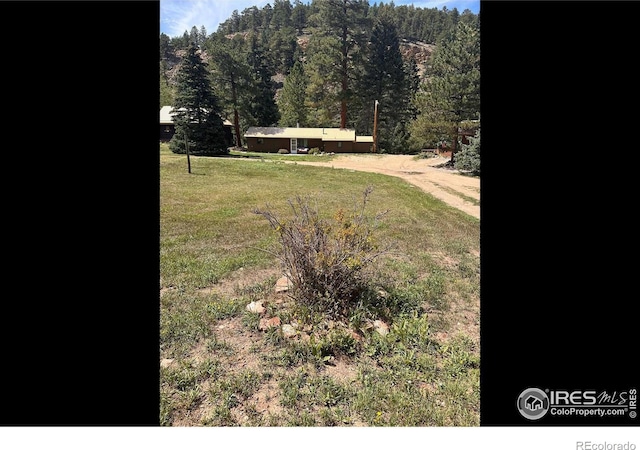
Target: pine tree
x,y
194,36
196,110
231,74
262,107
299,16
468,159
322,88
334,49
281,50
384,79
267,15
166,47
252,18
293,111
281,14
451,91
234,25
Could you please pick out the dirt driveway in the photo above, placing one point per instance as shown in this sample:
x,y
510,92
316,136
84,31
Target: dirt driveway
x,y
459,191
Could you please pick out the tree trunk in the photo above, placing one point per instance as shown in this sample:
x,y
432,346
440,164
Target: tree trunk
x,y
345,86
236,125
236,119
186,143
455,144
375,127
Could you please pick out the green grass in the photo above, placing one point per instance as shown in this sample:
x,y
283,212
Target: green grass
x,y
216,256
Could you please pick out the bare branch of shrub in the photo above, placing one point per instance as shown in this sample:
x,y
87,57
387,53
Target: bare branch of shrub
x,y
327,260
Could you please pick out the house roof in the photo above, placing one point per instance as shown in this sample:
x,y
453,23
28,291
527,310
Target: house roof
x,y
166,118
364,138
325,134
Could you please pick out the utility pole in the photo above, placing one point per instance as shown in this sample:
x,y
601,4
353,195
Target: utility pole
x,y
375,127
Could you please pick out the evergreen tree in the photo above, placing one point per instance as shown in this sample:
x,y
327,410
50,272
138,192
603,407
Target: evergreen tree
x,y
194,36
196,110
413,77
202,36
251,19
293,110
261,94
234,25
322,88
451,91
166,47
338,36
281,49
267,15
468,159
231,74
469,18
299,16
181,43
384,79
281,14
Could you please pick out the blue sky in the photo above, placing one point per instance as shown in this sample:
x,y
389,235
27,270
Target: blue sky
x,y
176,16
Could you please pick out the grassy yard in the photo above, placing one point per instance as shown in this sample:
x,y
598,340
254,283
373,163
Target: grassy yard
x,y
221,368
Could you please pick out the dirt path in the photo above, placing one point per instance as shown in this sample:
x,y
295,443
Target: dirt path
x,y
459,191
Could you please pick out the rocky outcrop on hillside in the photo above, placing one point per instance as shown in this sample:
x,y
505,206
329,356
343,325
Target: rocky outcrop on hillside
x,y
419,51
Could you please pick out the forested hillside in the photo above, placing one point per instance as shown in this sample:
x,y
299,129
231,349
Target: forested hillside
x,y
326,63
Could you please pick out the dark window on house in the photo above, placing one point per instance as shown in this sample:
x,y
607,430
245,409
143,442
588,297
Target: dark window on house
x,y
339,144
260,141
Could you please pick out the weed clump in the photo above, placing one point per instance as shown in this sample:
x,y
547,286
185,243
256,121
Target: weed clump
x,y
328,260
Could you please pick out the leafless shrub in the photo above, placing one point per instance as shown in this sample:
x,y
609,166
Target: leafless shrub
x,y
327,260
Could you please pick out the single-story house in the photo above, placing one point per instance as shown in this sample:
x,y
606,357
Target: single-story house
x,y
168,128
336,140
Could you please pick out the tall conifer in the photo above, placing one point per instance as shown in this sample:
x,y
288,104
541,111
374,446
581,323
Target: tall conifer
x,y
196,109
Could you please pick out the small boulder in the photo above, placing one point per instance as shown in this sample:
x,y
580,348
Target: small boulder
x,y
265,323
283,284
166,362
381,327
256,307
288,330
